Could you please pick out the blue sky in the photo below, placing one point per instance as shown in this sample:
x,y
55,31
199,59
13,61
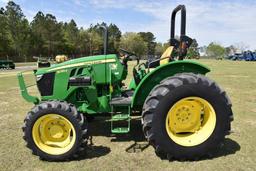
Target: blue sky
x,y
226,22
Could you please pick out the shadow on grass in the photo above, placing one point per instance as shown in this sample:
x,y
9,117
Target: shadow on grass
x,y
91,152
100,127
229,147
94,152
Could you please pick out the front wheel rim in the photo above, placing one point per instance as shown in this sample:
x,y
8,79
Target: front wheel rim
x,y
190,121
53,134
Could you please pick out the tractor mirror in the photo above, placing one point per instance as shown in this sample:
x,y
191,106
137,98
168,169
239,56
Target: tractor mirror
x,y
185,43
175,43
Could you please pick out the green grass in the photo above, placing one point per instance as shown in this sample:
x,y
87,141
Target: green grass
x,y
109,152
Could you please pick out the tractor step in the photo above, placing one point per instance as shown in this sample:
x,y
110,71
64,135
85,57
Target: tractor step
x,y
120,130
120,115
121,101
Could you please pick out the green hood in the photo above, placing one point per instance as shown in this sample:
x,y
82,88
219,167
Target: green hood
x,y
90,60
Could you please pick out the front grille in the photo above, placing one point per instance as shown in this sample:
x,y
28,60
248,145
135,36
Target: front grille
x,y
46,83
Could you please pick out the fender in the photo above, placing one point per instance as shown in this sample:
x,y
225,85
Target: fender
x,y
160,73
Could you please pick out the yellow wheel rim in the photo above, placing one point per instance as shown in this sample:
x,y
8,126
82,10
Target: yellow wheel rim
x,y
53,134
190,121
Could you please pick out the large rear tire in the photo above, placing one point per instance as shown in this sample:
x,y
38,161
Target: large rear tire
x,y
55,131
186,117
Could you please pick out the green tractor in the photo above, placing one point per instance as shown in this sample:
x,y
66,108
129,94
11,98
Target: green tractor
x,y
184,114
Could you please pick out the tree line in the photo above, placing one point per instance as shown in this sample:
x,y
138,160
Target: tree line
x,y
44,36
216,50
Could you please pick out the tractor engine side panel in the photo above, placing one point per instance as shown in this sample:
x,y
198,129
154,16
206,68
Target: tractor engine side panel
x,y
90,98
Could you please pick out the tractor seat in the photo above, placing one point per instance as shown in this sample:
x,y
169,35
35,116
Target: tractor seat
x,y
164,59
127,93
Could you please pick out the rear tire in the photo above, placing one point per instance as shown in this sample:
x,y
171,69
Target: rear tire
x,y
165,95
55,122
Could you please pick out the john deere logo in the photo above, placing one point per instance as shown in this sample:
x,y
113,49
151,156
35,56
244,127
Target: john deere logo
x,y
113,66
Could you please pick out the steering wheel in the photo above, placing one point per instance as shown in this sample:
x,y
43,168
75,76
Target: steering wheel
x,y
127,52
139,73
135,72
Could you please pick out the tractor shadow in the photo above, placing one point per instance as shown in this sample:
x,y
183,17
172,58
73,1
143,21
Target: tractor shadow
x,y
91,152
229,147
95,152
101,127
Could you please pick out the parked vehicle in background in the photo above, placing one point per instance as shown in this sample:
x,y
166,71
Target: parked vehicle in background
x,y
43,62
245,56
7,64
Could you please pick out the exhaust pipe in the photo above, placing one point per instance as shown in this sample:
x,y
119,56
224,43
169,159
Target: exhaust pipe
x,y
105,35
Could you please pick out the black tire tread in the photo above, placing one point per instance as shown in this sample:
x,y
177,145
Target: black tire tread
x,y
159,91
71,109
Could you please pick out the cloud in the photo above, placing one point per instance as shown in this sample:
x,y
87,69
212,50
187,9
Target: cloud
x,y
223,21
227,22
4,1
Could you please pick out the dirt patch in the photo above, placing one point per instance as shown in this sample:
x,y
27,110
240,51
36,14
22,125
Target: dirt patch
x,y
253,110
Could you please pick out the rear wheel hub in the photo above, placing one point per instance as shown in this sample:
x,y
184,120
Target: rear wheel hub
x,y
190,121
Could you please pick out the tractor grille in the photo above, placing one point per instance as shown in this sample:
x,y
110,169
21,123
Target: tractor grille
x,y
45,84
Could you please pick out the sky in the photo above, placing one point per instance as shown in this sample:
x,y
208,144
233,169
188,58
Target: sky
x,y
225,22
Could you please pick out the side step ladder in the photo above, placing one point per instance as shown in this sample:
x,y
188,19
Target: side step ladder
x,y
120,115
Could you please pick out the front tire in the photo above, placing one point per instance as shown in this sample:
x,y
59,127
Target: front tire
x,y
186,117
55,131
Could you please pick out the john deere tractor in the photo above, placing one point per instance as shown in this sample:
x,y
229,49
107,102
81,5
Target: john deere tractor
x,y
184,114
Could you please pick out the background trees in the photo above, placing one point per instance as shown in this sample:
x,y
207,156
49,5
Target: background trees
x,y
4,41
45,36
193,51
215,50
20,40
149,39
18,30
133,42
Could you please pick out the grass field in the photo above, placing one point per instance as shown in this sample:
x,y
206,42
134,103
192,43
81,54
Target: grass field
x,y
109,152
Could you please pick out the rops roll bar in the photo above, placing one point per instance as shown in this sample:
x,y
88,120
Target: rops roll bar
x,y
183,44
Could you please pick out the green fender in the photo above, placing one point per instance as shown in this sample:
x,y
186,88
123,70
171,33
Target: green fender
x,y
161,72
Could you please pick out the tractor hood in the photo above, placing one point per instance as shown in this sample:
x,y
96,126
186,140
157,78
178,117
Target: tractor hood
x,y
89,60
